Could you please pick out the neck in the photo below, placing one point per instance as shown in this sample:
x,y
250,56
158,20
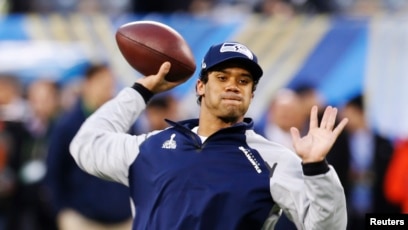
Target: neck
x,y
208,126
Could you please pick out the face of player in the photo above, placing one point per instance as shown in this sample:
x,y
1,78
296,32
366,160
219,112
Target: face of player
x,y
227,94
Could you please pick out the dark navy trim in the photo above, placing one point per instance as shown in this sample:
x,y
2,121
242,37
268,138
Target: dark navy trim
x,y
191,123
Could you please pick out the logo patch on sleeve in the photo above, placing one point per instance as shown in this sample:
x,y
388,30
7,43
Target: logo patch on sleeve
x,y
171,143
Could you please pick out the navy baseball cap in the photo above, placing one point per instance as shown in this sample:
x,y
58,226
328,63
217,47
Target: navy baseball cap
x,y
232,51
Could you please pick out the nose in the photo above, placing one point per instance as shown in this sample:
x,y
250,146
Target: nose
x,y
232,85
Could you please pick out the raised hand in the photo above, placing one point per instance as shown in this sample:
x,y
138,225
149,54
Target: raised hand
x,y
157,83
316,144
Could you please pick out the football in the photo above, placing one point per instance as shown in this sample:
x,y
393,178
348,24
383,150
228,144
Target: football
x,y
145,45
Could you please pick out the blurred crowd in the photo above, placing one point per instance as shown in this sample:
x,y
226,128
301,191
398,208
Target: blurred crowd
x,y
268,7
41,187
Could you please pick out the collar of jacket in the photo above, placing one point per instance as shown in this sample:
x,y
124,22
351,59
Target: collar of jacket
x,y
191,123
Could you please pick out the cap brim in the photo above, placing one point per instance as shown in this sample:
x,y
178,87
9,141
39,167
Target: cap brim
x,y
255,70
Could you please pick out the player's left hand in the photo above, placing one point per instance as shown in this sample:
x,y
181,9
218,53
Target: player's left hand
x,y
316,144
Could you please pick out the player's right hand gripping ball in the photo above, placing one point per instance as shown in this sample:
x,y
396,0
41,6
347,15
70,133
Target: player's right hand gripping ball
x,y
147,44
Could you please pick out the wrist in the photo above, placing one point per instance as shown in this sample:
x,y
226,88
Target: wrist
x,y
315,168
145,92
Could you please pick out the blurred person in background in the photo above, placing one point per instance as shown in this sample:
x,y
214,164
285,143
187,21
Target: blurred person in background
x,y
32,209
396,177
5,183
83,201
287,109
69,94
275,8
13,107
161,107
13,136
161,6
87,7
365,157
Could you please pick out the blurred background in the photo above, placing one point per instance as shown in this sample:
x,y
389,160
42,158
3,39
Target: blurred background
x,y
339,49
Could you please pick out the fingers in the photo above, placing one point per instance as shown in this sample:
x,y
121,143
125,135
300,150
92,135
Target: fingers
x,y
329,118
332,118
313,118
157,83
164,69
340,127
295,134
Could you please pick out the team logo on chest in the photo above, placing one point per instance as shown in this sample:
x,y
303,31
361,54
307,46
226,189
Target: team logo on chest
x,y
170,144
251,159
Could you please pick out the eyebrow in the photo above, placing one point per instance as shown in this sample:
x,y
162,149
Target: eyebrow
x,y
244,74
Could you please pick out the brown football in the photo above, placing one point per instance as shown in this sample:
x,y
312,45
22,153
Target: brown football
x,y
147,44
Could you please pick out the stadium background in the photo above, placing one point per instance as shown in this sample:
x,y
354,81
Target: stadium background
x,y
339,55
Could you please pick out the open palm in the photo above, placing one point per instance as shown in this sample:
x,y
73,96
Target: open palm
x,y
316,144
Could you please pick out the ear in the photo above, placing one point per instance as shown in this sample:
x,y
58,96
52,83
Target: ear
x,y
200,88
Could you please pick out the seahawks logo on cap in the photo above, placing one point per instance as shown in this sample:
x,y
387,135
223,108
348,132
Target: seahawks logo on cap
x,y
236,47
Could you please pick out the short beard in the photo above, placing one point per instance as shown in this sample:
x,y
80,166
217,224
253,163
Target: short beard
x,y
229,120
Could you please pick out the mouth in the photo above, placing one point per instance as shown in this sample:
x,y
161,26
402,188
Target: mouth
x,y
231,101
231,97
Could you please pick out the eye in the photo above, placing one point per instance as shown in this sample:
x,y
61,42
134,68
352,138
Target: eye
x,y
221,77
244,81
